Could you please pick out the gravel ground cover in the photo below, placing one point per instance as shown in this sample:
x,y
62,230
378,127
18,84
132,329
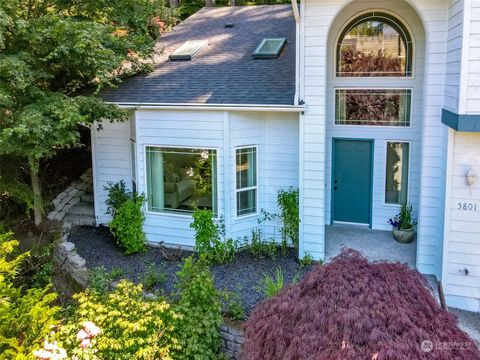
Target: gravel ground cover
x,y
242,276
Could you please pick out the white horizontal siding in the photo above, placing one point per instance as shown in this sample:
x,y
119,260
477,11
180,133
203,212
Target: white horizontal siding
x,y
275,134
111,162
199,129
318,18
462,238
454,54
473,67
276,137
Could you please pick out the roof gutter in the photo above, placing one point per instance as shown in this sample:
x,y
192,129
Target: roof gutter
x,y
213,107
296,14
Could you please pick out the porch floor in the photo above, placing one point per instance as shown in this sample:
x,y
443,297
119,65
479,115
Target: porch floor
x,y
375,245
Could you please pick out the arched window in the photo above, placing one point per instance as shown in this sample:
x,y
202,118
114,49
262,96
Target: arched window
x,y
374,45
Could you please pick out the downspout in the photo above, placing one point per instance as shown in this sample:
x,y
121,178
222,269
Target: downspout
x,y
296,14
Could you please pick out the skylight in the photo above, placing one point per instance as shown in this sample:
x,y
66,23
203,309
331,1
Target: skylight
x,y
269,48
188,50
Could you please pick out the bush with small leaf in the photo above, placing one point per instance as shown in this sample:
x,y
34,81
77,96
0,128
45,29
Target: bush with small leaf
x,y
128,218
130,327
199,306
127,226
210,242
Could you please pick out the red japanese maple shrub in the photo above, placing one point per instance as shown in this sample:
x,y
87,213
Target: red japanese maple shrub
x,y
351,309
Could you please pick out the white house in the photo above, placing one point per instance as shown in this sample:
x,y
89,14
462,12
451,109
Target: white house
x,y
362,105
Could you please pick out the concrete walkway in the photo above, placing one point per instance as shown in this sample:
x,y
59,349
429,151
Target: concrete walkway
x,y
469,322
374,244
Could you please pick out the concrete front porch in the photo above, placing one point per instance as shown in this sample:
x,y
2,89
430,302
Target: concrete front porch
x,y
375,245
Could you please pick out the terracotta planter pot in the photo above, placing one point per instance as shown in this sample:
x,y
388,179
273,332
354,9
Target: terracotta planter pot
x,y
403,236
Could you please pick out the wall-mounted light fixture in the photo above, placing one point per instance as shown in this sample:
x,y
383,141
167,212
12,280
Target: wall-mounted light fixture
x,y
471,177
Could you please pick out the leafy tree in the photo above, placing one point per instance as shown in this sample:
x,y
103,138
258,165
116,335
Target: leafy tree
x,y
26,315
55,56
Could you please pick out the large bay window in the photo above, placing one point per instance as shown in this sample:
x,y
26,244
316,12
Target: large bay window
x,y
246,180
181,179
396,186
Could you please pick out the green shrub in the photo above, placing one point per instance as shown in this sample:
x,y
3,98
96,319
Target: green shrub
x,y
36,270
271,286
130,326
127,225
210,242
234,308
100,279
288,201
26,315
259,248
153,276
197,330
307,260
117,196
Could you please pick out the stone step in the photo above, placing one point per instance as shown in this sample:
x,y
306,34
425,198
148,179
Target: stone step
x,y
79,220
87,198
82,209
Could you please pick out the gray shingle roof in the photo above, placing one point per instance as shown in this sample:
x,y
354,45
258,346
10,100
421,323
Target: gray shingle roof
x,y
224,72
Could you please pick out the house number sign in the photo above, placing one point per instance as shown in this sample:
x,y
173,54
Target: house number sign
x,y
466,206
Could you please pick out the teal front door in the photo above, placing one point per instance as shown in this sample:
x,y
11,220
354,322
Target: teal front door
x,y
352,181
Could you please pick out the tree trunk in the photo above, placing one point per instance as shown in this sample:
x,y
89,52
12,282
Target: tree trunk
x,y
37,193
209,3
173,4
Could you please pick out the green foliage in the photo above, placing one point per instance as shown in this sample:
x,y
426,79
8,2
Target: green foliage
x,y
55,56
127,224
131,327
15,195
100,279
307,260
26,315
289,215
406,220
271,286
153,276
259,248
201,313
210,242
233,306
117,196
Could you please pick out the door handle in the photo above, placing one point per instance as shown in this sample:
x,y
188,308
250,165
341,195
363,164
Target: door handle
x,y
336,181
335,188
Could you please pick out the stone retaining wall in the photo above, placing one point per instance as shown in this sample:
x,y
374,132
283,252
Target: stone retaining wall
x,y
233,338
68,259
64,252
70,196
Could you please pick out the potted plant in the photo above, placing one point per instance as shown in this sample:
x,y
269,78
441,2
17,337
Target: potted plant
x,y
403,224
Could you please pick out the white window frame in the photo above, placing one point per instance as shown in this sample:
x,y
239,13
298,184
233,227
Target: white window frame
x,y
399,19
172,214
409,142
335,88
246,188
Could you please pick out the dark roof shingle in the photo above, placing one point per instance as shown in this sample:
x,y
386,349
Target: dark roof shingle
x,y
224,72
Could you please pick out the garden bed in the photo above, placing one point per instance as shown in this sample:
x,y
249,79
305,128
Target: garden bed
x,y
242,276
